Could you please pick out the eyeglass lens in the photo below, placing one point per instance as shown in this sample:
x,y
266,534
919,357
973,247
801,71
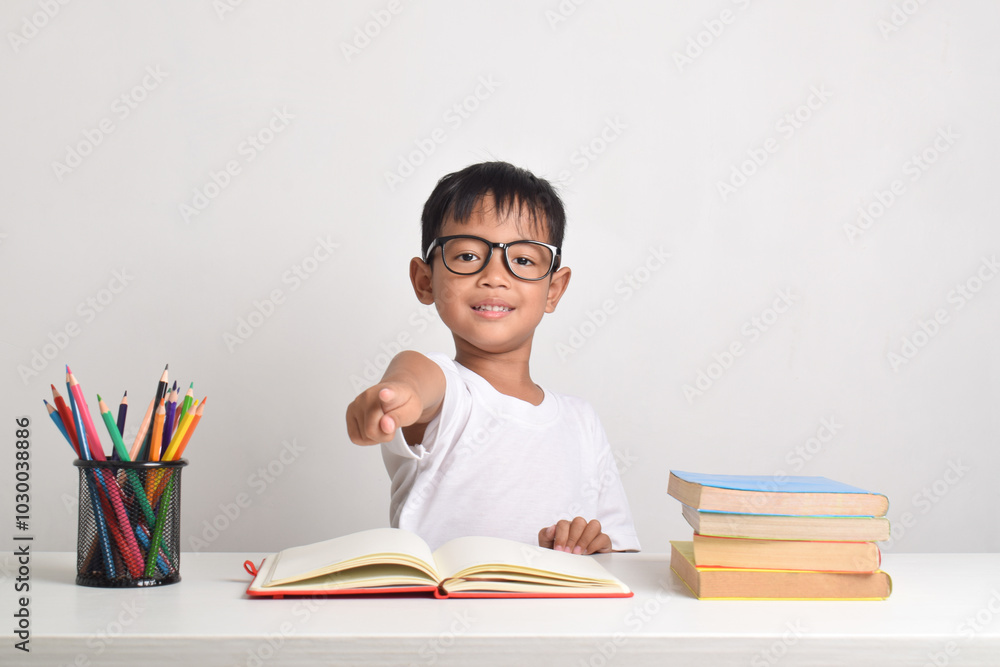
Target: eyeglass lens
x,y
526,259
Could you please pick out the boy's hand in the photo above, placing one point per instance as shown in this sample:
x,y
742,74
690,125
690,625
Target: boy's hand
x,y
578,536
377,412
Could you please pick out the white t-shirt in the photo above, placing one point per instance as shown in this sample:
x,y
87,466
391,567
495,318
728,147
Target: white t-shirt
x,y
491,464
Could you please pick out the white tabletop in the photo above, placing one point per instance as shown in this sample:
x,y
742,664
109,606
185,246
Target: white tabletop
x,y
944,610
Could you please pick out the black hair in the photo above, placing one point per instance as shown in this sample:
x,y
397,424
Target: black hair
x,y
457,195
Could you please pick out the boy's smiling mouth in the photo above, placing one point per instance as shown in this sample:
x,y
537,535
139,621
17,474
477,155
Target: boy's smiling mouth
x,y
493,308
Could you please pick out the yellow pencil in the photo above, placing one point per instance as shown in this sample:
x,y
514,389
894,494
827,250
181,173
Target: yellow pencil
x,y
190,430
175,440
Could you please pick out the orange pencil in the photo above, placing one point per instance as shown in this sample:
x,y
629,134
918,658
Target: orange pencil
x,y
161,415
194,423
143,427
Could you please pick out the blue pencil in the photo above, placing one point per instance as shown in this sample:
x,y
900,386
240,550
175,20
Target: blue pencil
x,y
102,528
54,414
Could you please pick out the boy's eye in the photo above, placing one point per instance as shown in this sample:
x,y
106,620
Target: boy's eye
x,y
523,260
466,257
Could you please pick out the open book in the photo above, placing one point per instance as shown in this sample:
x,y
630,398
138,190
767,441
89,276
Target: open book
x,y
391,560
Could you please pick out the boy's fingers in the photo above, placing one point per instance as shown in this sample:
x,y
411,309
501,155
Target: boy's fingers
x,y
576,528
600,545
387,424
588,542
560,534
545,536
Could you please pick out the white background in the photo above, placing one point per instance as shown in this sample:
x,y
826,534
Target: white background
x,y
740,138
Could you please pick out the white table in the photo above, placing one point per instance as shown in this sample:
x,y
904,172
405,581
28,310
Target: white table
x,y
944,610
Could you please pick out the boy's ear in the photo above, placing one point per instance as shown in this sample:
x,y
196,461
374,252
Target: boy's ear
x,y
557,287
420,277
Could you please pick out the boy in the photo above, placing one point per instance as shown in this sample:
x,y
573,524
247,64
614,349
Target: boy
x,y
473,446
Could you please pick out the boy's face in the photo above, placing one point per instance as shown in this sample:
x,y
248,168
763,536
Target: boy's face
x,y
492,311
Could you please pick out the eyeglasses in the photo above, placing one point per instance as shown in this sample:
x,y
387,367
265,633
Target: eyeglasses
x,y
468,255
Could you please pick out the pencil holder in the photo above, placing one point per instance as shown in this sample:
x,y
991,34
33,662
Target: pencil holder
x,y
130,520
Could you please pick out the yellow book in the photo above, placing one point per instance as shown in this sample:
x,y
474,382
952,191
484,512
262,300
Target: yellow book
x,y
726,583
391,560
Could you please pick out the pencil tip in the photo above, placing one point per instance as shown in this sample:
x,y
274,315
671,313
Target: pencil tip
x,y
99,397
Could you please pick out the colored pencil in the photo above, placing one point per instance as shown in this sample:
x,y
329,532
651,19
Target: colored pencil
x,y
154,450
122,411
143,429
91,477
109,423
67,419
57,420
175,441
131,475
161,392
130,548
188,401
168,422
190,429
93,441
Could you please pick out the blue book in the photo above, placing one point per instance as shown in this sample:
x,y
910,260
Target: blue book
x,y
774,494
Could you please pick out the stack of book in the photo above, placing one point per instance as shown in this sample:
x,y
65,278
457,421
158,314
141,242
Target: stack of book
x,y
790,537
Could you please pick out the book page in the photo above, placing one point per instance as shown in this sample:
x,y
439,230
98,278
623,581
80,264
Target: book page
x,y
379,545
490,555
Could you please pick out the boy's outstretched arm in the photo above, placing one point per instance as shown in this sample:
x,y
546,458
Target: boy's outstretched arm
x,y
410,393
578,536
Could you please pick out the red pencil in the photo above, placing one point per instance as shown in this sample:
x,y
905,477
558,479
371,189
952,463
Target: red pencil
x,y
67,418
93,442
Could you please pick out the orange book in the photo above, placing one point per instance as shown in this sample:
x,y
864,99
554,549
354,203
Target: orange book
x,y
741,552
753,584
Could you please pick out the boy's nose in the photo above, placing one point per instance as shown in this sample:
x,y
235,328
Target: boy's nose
x,y
496,271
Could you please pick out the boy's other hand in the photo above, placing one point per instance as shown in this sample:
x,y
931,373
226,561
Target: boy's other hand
x,y
578,536
377,412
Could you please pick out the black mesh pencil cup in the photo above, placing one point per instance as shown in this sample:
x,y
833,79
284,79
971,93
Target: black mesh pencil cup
x,y
130,520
